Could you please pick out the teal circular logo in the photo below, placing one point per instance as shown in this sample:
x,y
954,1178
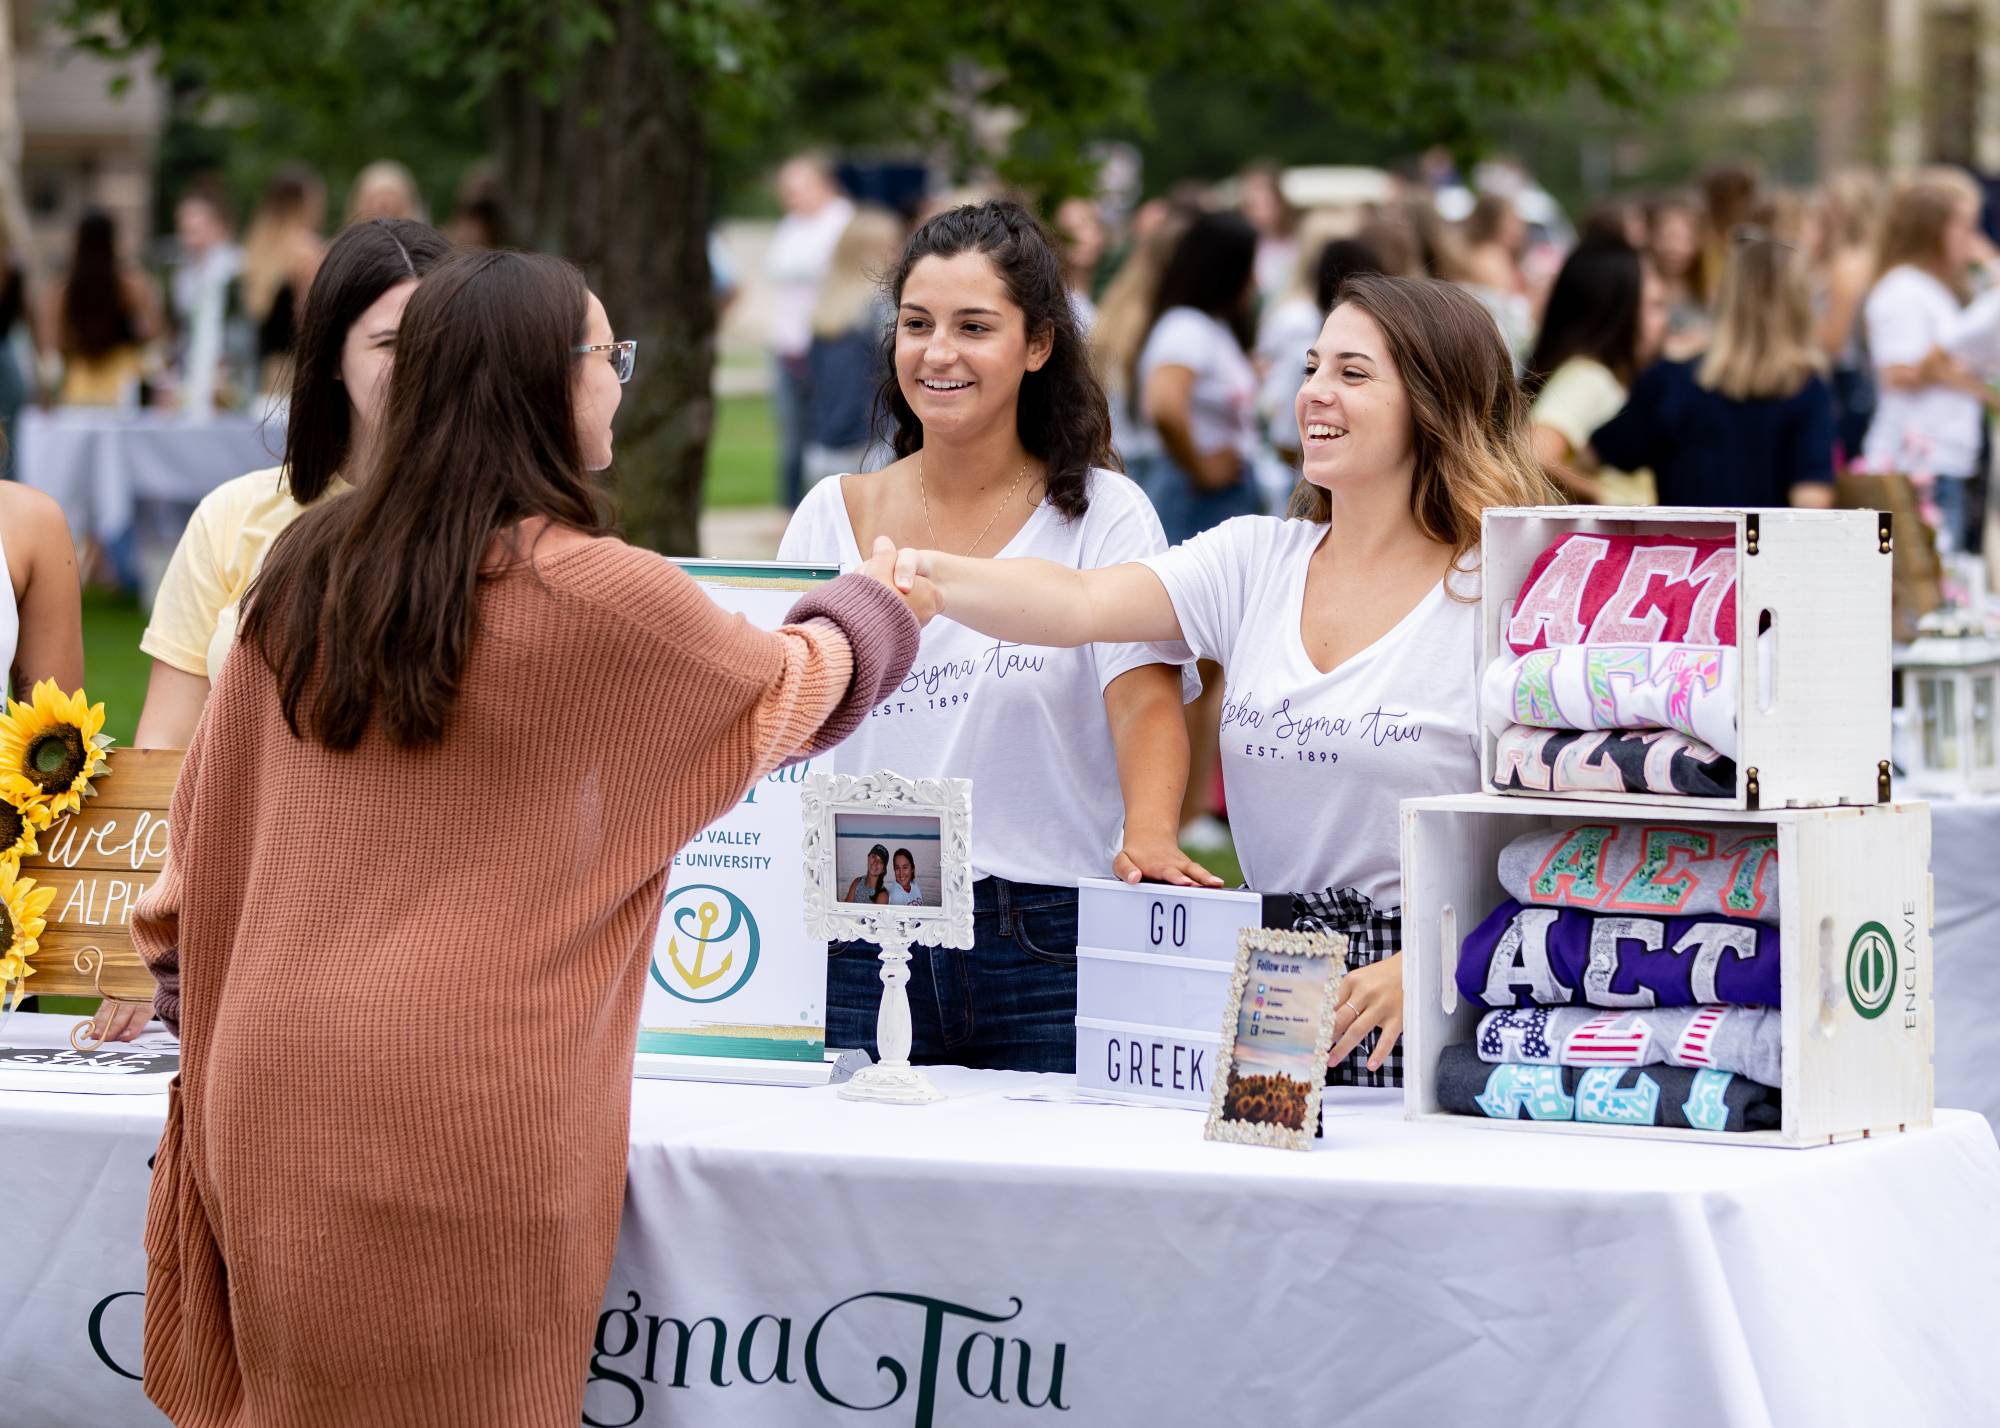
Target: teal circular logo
x,y
1871,970
711,947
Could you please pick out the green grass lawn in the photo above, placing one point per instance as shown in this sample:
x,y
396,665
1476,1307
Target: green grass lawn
x,y
1220,861
742,455
113,669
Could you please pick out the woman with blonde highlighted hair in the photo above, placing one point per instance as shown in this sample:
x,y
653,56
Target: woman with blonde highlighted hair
x,y
1348,629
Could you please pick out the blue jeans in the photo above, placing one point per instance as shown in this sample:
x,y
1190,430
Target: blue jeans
x,y
1184,510
788,411
1009,1004
1953,495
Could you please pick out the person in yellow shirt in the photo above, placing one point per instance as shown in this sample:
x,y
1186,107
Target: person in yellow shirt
x,y
1605,321
346,341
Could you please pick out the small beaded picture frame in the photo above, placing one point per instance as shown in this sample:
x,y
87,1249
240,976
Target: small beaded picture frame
x,y
1276,1033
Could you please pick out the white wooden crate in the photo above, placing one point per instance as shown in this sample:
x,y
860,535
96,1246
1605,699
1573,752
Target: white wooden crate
x,y
1839,869
1153,965
1813,715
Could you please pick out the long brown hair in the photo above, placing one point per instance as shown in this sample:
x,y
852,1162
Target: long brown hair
x,y
1469,418
98,316
368,605
364,262
1061,416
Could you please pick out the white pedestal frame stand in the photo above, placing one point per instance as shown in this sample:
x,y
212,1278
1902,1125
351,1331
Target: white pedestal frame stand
x,y
827,798
892,1079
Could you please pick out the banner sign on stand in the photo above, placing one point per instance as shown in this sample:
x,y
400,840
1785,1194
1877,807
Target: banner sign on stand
x,y
734,974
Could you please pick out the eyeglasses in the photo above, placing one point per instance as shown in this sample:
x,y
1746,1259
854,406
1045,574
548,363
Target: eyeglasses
x,y
623,355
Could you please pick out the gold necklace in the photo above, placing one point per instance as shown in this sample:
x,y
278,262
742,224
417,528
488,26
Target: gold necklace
x,y
1005,501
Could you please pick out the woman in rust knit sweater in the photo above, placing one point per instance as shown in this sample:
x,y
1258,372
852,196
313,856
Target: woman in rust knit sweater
x,y
419,848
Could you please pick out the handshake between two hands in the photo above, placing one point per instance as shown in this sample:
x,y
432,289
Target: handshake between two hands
x,y
908,573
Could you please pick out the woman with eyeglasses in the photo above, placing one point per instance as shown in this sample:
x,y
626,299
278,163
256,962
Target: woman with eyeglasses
x,y
1748,422
419,850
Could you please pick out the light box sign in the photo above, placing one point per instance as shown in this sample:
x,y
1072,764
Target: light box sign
x,y
1153,969
733,971
1167,921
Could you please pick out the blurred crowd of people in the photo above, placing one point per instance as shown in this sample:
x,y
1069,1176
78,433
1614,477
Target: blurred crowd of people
x,y
1728,343
207,319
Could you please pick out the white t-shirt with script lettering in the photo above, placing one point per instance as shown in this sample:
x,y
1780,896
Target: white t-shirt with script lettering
x,y
1316,764
1026,724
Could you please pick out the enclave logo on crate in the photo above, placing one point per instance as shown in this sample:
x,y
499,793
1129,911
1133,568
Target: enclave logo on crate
x,y
1871,970
630,1356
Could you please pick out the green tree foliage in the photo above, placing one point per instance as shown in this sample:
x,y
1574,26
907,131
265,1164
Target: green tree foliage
x,y
608,115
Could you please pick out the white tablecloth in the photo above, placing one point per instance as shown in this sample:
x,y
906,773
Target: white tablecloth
x,y
1399,1274
1965,866
100,463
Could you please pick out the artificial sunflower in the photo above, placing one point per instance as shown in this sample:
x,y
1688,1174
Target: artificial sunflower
x,y
50,749
21,922
18,827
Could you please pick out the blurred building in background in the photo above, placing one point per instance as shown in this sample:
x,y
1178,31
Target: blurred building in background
x,y
89,130
1812,87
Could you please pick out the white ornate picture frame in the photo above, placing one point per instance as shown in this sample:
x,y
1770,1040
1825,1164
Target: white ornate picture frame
x,y
1284,992
825,800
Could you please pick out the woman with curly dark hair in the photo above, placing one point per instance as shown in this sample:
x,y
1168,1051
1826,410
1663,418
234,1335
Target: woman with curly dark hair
x,y
1003,445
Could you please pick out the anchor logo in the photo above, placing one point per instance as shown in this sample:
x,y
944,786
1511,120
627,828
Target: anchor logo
x,y
704,922
694,976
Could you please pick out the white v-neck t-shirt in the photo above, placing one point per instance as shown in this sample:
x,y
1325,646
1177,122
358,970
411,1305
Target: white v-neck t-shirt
x,y
1315,764
1025,723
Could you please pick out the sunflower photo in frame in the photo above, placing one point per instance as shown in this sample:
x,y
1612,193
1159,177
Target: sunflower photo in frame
x,y
1276,1033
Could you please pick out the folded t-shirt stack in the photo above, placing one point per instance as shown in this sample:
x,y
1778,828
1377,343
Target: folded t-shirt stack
x,y
1621,633
1632,976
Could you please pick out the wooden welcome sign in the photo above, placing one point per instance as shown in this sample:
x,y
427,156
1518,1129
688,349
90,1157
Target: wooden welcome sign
x,y
99,860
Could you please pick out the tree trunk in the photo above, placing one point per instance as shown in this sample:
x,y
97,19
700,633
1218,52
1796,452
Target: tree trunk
x,y
15,232
614,175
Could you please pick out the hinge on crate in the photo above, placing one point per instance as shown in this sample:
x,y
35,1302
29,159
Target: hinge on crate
x,y
1750,533
1885,532
1882,781
1750,787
